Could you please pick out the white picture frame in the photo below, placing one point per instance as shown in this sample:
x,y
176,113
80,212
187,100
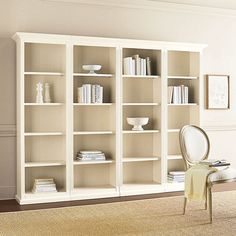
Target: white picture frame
x,y
218,91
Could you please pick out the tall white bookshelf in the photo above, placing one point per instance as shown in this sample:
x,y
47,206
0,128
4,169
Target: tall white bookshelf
x,y
50,134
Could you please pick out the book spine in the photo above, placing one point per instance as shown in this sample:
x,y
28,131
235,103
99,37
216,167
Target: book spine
x,y
137,64
148,62
127,65
144,67
133,66
93,93
186,94
100,94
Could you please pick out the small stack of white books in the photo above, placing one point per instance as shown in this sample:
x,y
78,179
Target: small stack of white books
x,y
215,162
176,176
90,156
90,93
178,94
44,186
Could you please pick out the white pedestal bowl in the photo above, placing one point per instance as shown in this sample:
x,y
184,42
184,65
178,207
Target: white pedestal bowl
x,y
137,122
92,68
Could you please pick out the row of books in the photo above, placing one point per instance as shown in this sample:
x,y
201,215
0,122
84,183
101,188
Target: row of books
x,y
90,156
176,176
178,94
44,186
136,65
90,93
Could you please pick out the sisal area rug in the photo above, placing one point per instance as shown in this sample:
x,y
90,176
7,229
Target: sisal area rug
x,y
162,216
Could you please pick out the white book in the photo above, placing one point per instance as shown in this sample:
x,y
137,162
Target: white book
x,y
175,95
141,66
144,67
44,180
84,93
148,65
97,90
182,93
91,152
100,94
127,65
88,93
133,67
179,94
170,94
185,94
137,64
177,173
93,93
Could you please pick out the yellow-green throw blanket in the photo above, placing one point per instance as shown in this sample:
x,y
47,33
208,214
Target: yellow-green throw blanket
x,y
196,180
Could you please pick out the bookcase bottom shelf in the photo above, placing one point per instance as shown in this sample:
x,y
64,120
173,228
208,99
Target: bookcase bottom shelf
x,y
134,188
102,191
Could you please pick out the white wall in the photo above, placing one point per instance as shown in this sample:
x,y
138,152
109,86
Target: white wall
x,y
124,22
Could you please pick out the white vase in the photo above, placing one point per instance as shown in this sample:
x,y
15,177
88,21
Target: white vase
x,y
39,89
47,97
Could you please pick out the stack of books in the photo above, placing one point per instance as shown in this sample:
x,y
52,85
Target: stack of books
x,y
176,176
178,94
136,65
215,163
90,93
90,156
44,186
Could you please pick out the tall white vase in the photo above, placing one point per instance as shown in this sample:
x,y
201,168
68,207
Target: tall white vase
x,y
47,97
39,89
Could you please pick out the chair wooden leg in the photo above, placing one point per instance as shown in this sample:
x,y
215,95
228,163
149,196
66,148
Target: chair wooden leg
x,y
206,201
185,203
210,203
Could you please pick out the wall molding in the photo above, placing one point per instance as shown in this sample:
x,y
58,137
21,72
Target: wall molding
x,y
220,128
154,5
7,130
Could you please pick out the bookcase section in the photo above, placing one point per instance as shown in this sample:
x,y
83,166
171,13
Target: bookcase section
x,y
66,139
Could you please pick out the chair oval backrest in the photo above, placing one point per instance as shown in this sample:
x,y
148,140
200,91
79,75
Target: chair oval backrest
x,y
194,145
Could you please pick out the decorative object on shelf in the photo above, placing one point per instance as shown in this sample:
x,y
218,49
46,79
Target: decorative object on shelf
x,y
44,186
136,65
90,93
47,97
178,94
137,122
90,156
92,68
39,89
218,90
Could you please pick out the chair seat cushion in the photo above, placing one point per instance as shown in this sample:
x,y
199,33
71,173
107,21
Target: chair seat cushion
x,y
221,175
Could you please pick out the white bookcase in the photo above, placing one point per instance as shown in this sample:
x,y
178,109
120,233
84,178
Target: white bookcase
x,y
50,134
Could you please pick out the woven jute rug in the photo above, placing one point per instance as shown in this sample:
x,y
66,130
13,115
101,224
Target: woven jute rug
x,y
162,216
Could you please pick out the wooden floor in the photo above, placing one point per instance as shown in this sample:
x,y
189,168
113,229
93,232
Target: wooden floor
x,y
12,205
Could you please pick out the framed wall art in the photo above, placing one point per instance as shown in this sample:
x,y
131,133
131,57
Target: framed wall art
x,y
218,91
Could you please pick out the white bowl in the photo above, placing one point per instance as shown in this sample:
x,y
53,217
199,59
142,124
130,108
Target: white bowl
x,y
92,68
137,122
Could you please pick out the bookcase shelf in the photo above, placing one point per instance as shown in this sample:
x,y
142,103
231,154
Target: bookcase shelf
x,y
43,134
44,73
92,162
51,135
140,132
137,159
183,77
46,163
43,104
141,76
141,104
92,75
92,132
93,104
